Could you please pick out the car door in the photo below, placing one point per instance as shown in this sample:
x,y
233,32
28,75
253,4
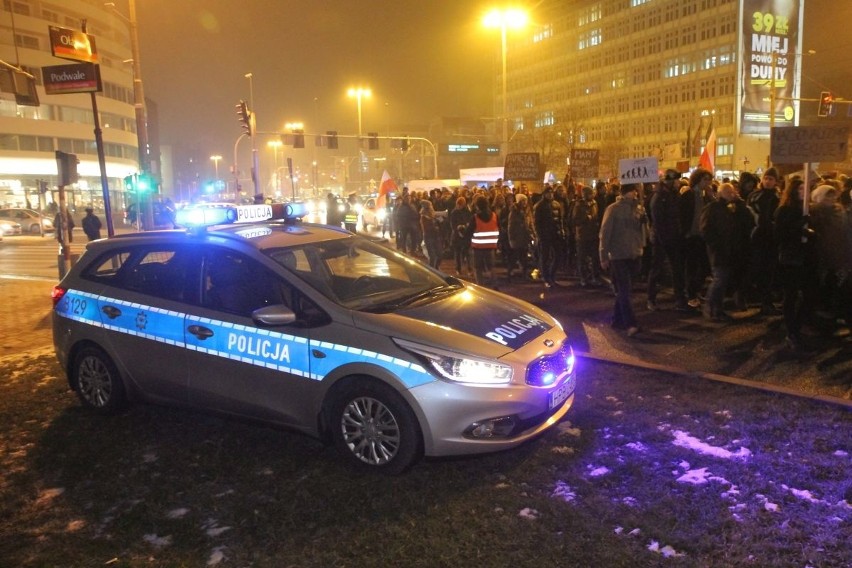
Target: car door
x,y
237,365
143,308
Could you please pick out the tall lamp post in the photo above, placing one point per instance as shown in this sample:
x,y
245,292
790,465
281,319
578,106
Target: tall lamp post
x,y
138,91
504,19
359,93
216,158
276,145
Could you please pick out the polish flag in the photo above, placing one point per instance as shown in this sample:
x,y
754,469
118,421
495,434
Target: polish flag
x,y
708,156
387,187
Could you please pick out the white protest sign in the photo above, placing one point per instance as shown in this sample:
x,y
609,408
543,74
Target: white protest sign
x,y
639,170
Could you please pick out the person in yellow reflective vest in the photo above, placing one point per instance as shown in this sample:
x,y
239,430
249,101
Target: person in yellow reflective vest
x,y
350,216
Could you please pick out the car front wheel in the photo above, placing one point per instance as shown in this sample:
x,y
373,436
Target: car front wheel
x,y
374,428
98,382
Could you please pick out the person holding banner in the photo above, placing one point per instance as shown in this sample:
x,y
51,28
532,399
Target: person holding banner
x,y
623,235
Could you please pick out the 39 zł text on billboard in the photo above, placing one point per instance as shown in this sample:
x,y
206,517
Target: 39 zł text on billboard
x,y
771,29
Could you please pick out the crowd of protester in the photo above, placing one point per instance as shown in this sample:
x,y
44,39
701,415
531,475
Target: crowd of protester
x,y
721,246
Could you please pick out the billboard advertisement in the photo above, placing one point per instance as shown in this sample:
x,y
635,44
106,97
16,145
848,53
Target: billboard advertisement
x,y
771,64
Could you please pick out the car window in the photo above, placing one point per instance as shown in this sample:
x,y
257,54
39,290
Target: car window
x,y
165,271
355,272
239,285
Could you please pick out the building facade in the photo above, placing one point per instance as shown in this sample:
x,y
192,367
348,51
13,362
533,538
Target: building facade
x,y
30,135
641,78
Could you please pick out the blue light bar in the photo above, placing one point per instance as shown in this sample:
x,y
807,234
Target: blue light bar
x,y
207,215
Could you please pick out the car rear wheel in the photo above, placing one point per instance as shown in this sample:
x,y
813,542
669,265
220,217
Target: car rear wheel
x,y
374,428
98,382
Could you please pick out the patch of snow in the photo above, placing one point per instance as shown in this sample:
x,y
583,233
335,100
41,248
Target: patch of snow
x,y
667,551
840,454
684,440
684,464
723,413
158,541
803,494
635,532
597,471
502,485
695,476
771,507
611,399
563,491
637,446
47,495
178,513
565,429
618,530
565,450
617,413
731,493
223,493
630,501
216,531
216,556
530,514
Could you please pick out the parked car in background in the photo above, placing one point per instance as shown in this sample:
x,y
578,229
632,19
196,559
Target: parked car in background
x,y
9,227
31,221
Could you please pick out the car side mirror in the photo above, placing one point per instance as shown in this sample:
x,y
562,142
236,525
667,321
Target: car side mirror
x,y
278,314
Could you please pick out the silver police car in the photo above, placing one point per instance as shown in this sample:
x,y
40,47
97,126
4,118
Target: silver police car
x,y
313,328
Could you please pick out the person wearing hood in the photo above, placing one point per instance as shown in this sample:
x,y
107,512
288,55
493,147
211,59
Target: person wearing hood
x,y
623,234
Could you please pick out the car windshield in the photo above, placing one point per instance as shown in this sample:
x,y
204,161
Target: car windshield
x,y
359,274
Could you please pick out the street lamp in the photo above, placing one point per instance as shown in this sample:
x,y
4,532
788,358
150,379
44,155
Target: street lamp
x,y
504,19
216,159
359,93
276,145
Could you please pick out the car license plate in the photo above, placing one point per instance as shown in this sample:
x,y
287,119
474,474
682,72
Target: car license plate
x,y
564,390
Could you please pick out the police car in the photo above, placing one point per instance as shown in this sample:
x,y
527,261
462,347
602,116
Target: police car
x,y
313,328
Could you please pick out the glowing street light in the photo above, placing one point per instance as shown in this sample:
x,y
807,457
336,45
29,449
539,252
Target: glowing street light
x,y
505,19
216,159
359,93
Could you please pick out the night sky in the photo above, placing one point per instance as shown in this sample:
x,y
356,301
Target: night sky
x,y
421,59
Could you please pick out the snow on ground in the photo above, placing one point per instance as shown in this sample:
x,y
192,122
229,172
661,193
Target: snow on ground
x,y
684,440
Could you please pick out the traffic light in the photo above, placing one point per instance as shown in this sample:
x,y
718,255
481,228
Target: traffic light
x,y
66,166
373,140
140,182
144,183
826,102
332,139
244,116
298,139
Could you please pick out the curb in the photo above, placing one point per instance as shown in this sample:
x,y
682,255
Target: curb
x,y
718,378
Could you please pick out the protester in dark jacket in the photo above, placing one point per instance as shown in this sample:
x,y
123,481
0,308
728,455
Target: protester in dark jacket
x,y
459,220
666,240
796,260
763,201
520,233
585,221
91,225
718,227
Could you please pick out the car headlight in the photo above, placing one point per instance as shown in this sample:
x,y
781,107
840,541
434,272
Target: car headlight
x,y
459,368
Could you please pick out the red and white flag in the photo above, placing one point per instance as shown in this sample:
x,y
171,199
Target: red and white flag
x,y
386,187
708,156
